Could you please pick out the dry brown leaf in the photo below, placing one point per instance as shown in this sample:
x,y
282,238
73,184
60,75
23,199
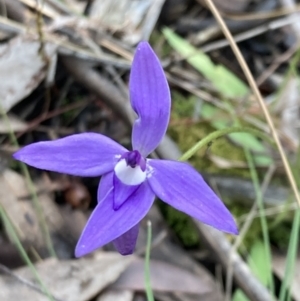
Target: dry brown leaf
x,y
22,69
68,280
278,263
165,277
21,211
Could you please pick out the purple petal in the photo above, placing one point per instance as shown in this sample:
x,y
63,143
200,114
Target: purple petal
x,y
106,186
88,154
106,224
150,99
122,192
182,187
125,244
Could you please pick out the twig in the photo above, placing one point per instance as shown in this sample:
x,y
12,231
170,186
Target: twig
x,y
294,16
253,288
60,6
100,85
273,25
24,281
151,18
264,14
279,60
64,47
36,122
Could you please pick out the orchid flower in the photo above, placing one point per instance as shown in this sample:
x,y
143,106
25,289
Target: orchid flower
x,y
130,181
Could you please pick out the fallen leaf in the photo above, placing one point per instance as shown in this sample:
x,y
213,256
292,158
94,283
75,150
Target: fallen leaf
x,y
165,277
116,295
22,69
23,214
68,280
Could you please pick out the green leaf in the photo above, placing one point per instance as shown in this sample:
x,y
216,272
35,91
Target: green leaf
x,y
258,263
239,296
224,80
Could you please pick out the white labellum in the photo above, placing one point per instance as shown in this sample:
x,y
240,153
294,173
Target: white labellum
x,y
129,175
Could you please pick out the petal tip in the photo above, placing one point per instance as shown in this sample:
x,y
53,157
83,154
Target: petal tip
x,y
231,228
234,230
19,155
144,50
143,45
126,253
16,155
80,251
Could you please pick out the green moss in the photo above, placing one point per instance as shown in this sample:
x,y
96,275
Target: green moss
x,y
182,107
187,134
182,226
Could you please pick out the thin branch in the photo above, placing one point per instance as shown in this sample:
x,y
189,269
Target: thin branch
x,y
253,32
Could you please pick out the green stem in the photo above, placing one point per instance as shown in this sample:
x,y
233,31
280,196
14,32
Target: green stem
x,y
263,220
291,258
149,292
217,134
285,291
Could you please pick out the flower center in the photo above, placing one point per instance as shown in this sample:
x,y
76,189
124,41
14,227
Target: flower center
x,y
131,169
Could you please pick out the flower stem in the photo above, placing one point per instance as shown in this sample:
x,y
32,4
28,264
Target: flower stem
x,y
217,134
149,292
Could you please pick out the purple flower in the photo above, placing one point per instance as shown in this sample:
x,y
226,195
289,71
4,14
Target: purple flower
x,y
129,180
